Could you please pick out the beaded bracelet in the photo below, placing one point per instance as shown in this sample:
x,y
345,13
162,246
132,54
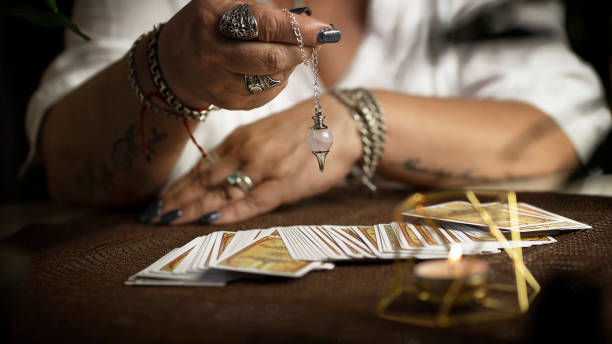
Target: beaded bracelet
x,y
368,114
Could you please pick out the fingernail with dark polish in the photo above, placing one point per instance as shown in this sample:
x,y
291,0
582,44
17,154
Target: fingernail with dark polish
x,y
329,35
152,211
301,10
170,216
210,217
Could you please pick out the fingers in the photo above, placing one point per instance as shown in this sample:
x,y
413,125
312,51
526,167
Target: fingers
x,y
275,26
236,95
198,182
258,58
240,84
204,190
211,199
263,198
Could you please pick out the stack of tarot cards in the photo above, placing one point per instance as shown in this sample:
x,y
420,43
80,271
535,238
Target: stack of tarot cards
x,y
220,257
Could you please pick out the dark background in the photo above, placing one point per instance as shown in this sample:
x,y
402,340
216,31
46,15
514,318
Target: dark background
x,y
26,50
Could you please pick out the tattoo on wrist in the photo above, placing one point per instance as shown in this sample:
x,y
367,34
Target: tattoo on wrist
x,y
415,165
98,177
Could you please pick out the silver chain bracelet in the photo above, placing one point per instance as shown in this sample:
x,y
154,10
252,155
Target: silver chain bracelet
x,y
368,114
136,87
162,86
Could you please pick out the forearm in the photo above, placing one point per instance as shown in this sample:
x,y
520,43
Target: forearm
x,y
91,141
449,142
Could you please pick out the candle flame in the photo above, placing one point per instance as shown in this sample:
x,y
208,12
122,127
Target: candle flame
x,y
454,253
419,208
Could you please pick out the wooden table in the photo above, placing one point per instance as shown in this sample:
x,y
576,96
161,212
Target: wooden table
x,y
72,289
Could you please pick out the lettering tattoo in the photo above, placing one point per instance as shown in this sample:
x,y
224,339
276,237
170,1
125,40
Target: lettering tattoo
x,y
415,165
98,177
128,147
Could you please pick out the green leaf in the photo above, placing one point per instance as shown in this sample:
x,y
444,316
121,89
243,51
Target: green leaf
x,y
43,18
52,5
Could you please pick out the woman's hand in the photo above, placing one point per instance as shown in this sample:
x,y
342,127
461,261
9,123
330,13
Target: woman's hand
x,y
274,154
202,66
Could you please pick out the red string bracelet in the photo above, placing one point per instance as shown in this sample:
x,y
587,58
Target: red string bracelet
x,y
145,148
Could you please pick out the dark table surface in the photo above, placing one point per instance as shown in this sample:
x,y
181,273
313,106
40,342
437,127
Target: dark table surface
x,y
73,288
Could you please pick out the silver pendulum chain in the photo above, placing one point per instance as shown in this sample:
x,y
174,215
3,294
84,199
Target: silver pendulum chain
x,y
319,137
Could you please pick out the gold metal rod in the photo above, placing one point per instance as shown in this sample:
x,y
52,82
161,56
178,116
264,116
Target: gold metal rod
x,y
521,286
503,241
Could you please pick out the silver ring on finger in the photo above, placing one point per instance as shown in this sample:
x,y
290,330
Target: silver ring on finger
x,y
239,23
242,181
258,83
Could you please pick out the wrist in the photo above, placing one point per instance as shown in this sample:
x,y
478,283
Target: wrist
x,y
171,59
344,129
143,75
367,113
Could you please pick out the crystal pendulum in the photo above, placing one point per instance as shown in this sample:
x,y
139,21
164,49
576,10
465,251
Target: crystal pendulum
x,y
319,137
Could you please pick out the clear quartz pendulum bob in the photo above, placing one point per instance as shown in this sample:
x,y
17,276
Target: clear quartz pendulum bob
x,y
319,137
320,140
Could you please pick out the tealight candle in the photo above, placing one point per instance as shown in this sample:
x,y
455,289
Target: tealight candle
x,y
435,277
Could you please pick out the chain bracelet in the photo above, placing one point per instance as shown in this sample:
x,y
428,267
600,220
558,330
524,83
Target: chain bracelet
x,y
166,92
372,128
136,87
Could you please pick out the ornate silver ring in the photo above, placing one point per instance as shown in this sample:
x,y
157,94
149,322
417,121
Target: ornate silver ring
x,y
241,180
258,83
239,23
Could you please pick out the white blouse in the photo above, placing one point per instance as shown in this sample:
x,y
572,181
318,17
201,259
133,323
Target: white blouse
x,y
399,52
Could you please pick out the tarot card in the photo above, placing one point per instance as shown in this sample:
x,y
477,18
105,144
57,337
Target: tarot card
x,y
166,265
334,252
165,269
240,239
222,239
267,256
521,210
294,247
210,278
368,236
202,251
349,248
405,232
463,212
184,264
478,237
351,238
314,244
308,245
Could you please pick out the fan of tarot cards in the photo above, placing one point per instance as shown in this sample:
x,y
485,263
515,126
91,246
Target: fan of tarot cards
x,y
220,257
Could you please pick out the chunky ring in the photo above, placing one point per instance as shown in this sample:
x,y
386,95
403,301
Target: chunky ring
x,y
239,23
241,180
258,83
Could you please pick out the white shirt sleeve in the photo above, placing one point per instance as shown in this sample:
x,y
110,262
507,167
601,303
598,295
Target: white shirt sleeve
x,y
112,26
542,72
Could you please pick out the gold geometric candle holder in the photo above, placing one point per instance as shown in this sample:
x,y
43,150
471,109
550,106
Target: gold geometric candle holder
x,y
470,298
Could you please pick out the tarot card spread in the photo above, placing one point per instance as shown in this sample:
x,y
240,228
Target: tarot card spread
x,y
220,257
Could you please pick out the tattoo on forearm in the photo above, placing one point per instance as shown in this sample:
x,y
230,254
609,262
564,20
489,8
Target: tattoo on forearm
x,y
128,147
96,177
415,165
